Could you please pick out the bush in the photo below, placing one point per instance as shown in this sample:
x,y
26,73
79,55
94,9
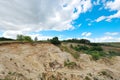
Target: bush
x,y
70,64
71,46
96,48
27,38
24,38
95,55
5,39
76,55
79,48
55,41
84,41
113,53
87,78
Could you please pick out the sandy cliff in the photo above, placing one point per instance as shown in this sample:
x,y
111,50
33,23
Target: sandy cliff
x,y
44,61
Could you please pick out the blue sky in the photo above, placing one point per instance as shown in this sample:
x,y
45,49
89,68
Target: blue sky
x,y
96,20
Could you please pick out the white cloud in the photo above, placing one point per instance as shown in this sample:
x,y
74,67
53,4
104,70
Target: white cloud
x,y
89,24
108,18
13,34
25,16
116,15
101,39
39,36
86,34
37,15
100,18
97,2
112,6
112,33
106,39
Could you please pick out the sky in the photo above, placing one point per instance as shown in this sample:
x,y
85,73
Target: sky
x,y
96,20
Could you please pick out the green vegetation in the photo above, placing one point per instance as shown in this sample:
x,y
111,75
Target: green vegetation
x,y
95,55
84,41
87,78
96,52
6,39
113,53
76,55
24,38
70,64
96,48
104,73
80,48
84,45
55,41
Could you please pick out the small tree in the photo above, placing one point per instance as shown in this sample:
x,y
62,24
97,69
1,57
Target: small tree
x,y
20,37
55,41
27,38
36,39
84,41
24,38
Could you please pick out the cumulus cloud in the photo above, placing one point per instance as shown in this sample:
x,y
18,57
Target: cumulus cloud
x,y
100,18
39,36
106,39
13,34
111,6
112,33
97,2
36,15
86,34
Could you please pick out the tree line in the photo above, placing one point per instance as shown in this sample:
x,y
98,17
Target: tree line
x,y
54,40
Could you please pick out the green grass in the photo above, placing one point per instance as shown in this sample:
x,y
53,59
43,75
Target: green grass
x,y
97,52
68,49
70,64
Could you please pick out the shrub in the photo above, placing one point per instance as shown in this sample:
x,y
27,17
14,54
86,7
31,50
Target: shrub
x,y
94,44
113,53
104,72
76,55
87,78
95,55
5,39
71,46
79,48
83,48
24,38
55,41
84,41
70,64
27,38
96,48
